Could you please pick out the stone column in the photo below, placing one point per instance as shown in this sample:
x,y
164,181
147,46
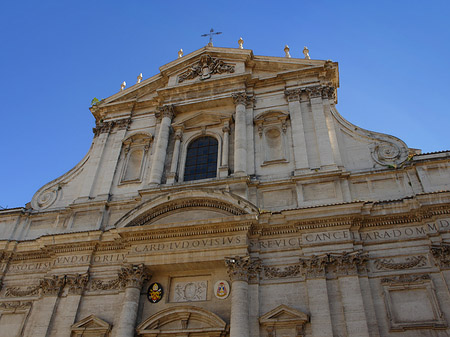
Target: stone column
x,y
159,157
240,135
351,296
298,132
132,277
239,270
321,128
68,306
43,313
316,285
172,176
223,169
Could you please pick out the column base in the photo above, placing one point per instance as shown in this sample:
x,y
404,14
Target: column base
x,y
171,178
223,171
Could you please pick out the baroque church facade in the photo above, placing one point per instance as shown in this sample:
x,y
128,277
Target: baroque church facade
x,y
226,196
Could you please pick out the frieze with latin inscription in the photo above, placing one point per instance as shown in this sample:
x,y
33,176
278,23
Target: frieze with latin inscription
x,y
190,244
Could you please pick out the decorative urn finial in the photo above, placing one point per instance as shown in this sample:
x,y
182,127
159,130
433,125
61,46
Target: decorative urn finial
x,y
241,43
139,78
180,53
286,50
306,53
123,85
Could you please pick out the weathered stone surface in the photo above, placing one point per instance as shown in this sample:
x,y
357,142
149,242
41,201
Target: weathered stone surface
x,y
321,228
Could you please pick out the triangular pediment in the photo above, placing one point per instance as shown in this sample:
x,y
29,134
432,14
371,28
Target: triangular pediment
x,y
283,315
200,119
91,323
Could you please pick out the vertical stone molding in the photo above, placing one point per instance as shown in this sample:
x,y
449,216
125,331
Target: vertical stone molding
x,y
165,114
320,125
223,170
132,276
298,131
240,269
240,134
172,176
328,95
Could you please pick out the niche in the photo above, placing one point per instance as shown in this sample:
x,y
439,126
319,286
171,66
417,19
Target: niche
x,y
135,153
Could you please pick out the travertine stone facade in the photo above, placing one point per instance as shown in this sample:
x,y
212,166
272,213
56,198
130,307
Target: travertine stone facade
x,y
306,225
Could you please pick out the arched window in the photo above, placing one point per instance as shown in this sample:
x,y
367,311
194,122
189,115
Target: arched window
x,y
201,159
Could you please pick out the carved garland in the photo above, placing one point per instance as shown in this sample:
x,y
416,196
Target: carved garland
x,y
411,262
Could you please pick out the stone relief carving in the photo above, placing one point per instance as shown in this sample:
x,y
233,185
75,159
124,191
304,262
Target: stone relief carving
x,y
441,254
277,272
206,67
128,276
242,268
409,262
323,91
104,127
387,154
405,279
16,305
165,111
51,286
190,291
346,263
242,98
47,197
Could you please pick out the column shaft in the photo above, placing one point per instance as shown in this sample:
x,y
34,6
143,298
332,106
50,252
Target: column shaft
x,y
319,307
355,317
226,141
160,149
240,140
298,134
128,315
321,128
239,326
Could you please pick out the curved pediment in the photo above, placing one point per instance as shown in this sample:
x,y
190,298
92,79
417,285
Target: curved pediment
x,y
182,320
187,206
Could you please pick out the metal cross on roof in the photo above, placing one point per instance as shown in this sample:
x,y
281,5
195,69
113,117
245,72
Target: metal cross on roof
x,y
210,34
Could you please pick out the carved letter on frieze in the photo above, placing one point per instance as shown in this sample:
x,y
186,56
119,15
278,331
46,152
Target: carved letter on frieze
x,y
441,254
242,268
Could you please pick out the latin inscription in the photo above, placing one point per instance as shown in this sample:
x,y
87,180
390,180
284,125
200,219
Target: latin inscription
x,y
190,244
400,233
276,243
64,261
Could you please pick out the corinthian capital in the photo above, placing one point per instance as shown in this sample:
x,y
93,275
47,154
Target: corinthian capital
x,y
293,95
132,276
315,92
314,266
349,263
76,283
52,286
242,98
241,268
165,111
441,254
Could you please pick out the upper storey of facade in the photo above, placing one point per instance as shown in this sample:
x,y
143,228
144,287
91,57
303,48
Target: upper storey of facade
x,y
254,130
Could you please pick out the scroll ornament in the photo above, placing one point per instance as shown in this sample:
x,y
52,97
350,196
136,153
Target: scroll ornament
x,y
206,67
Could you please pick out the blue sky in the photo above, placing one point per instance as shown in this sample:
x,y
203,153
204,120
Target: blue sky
x,y
57,55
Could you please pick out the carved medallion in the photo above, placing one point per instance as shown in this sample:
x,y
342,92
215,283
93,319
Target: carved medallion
x,y
155,292
221,289
190,291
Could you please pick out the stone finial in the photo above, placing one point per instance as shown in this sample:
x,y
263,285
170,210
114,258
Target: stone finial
x,y
286,50
241,43
123,85
306,53
139,78
180,53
